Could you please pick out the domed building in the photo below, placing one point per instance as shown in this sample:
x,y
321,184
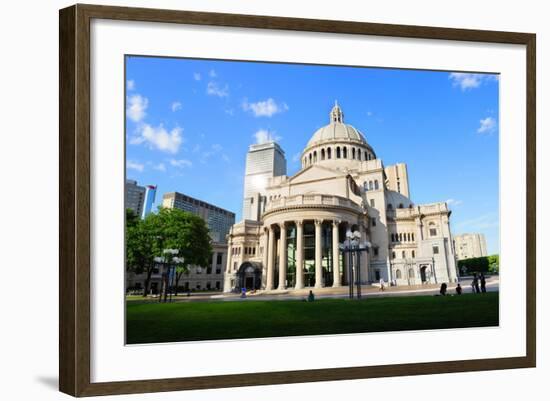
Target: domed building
x,y
292,226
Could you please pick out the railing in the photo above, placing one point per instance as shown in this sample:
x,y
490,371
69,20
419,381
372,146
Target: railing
x,y
306,200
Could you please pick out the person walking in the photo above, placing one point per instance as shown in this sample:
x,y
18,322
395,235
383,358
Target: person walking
x,y
382,285
475,284
483,283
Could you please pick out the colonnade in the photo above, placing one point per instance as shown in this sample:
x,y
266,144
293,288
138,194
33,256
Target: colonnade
x,y
271,254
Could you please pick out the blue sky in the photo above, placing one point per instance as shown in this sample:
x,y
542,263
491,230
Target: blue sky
x,y
189,124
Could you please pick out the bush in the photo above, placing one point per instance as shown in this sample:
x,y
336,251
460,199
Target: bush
x,y
484,264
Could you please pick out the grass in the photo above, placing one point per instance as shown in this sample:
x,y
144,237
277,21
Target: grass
x,y
211,320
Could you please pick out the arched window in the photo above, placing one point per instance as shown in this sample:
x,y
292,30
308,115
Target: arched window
x,y
412,236
400,206
409,237
353,153
411,273
370,186
375,184
315,157
413,254
338,152
392,237
345,152
322,154
365,186
366,156
403,254
400,237
398,274
310,156
390,206
393,255
328,153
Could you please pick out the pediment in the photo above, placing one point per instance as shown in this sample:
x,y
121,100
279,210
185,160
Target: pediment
x,y
315,173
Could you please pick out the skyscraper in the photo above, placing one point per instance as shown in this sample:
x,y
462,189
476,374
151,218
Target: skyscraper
x,y
263,162
218,220
135,196
150,192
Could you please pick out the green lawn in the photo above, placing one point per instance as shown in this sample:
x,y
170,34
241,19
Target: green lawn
x,y
191,321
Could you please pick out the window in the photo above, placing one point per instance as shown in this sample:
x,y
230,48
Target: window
x,y
371,187
400,237
365,186
322,154
411,273
338,152
310,156
409,237
375,184
393,255
413,254
435,249
219,258
373,221
398,274
433,232
315,156
412,236
328,153
366,157
403,254
353,153
218,285
345,151
390,206
235,266
400,206
372,203
375,250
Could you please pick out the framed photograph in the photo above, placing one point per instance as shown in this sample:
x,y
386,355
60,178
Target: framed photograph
x,y
249,200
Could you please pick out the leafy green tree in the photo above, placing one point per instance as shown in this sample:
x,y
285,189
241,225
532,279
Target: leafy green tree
x,y
167,229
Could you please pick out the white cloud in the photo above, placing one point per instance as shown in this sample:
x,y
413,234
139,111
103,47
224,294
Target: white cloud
x,y
264,108
480,223
217,147
470,81
225,158
487,125
136,107
454,202
175,106
212,74
131,165
181,163
159,138
369,113
296,157
160,167
130,85
264,136
197,76
214,89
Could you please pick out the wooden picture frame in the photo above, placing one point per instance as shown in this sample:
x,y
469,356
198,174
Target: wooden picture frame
x,y
74,203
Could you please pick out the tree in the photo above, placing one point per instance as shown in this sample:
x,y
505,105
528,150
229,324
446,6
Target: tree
x,y
167,229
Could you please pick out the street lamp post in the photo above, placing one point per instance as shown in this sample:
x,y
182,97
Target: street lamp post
x,y
169,260
352,246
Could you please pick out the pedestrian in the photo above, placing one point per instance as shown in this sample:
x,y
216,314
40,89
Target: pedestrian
x,y
243,292
443,289
310,297
382,284
482,281
475,284
458,289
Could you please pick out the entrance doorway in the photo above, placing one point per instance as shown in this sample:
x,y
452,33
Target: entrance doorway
x,y
423,274
249,276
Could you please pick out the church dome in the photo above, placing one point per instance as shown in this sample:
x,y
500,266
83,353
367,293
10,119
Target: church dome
x,y
336,130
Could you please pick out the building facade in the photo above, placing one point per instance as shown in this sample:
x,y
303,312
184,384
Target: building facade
x,y
134,197
343,185
150,193
263,162
470,246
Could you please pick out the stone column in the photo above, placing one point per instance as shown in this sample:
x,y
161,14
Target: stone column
x,y
299,254
335,254
213,262
227,275
282,258
265,246
364,255
270,252
345,260
318,255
